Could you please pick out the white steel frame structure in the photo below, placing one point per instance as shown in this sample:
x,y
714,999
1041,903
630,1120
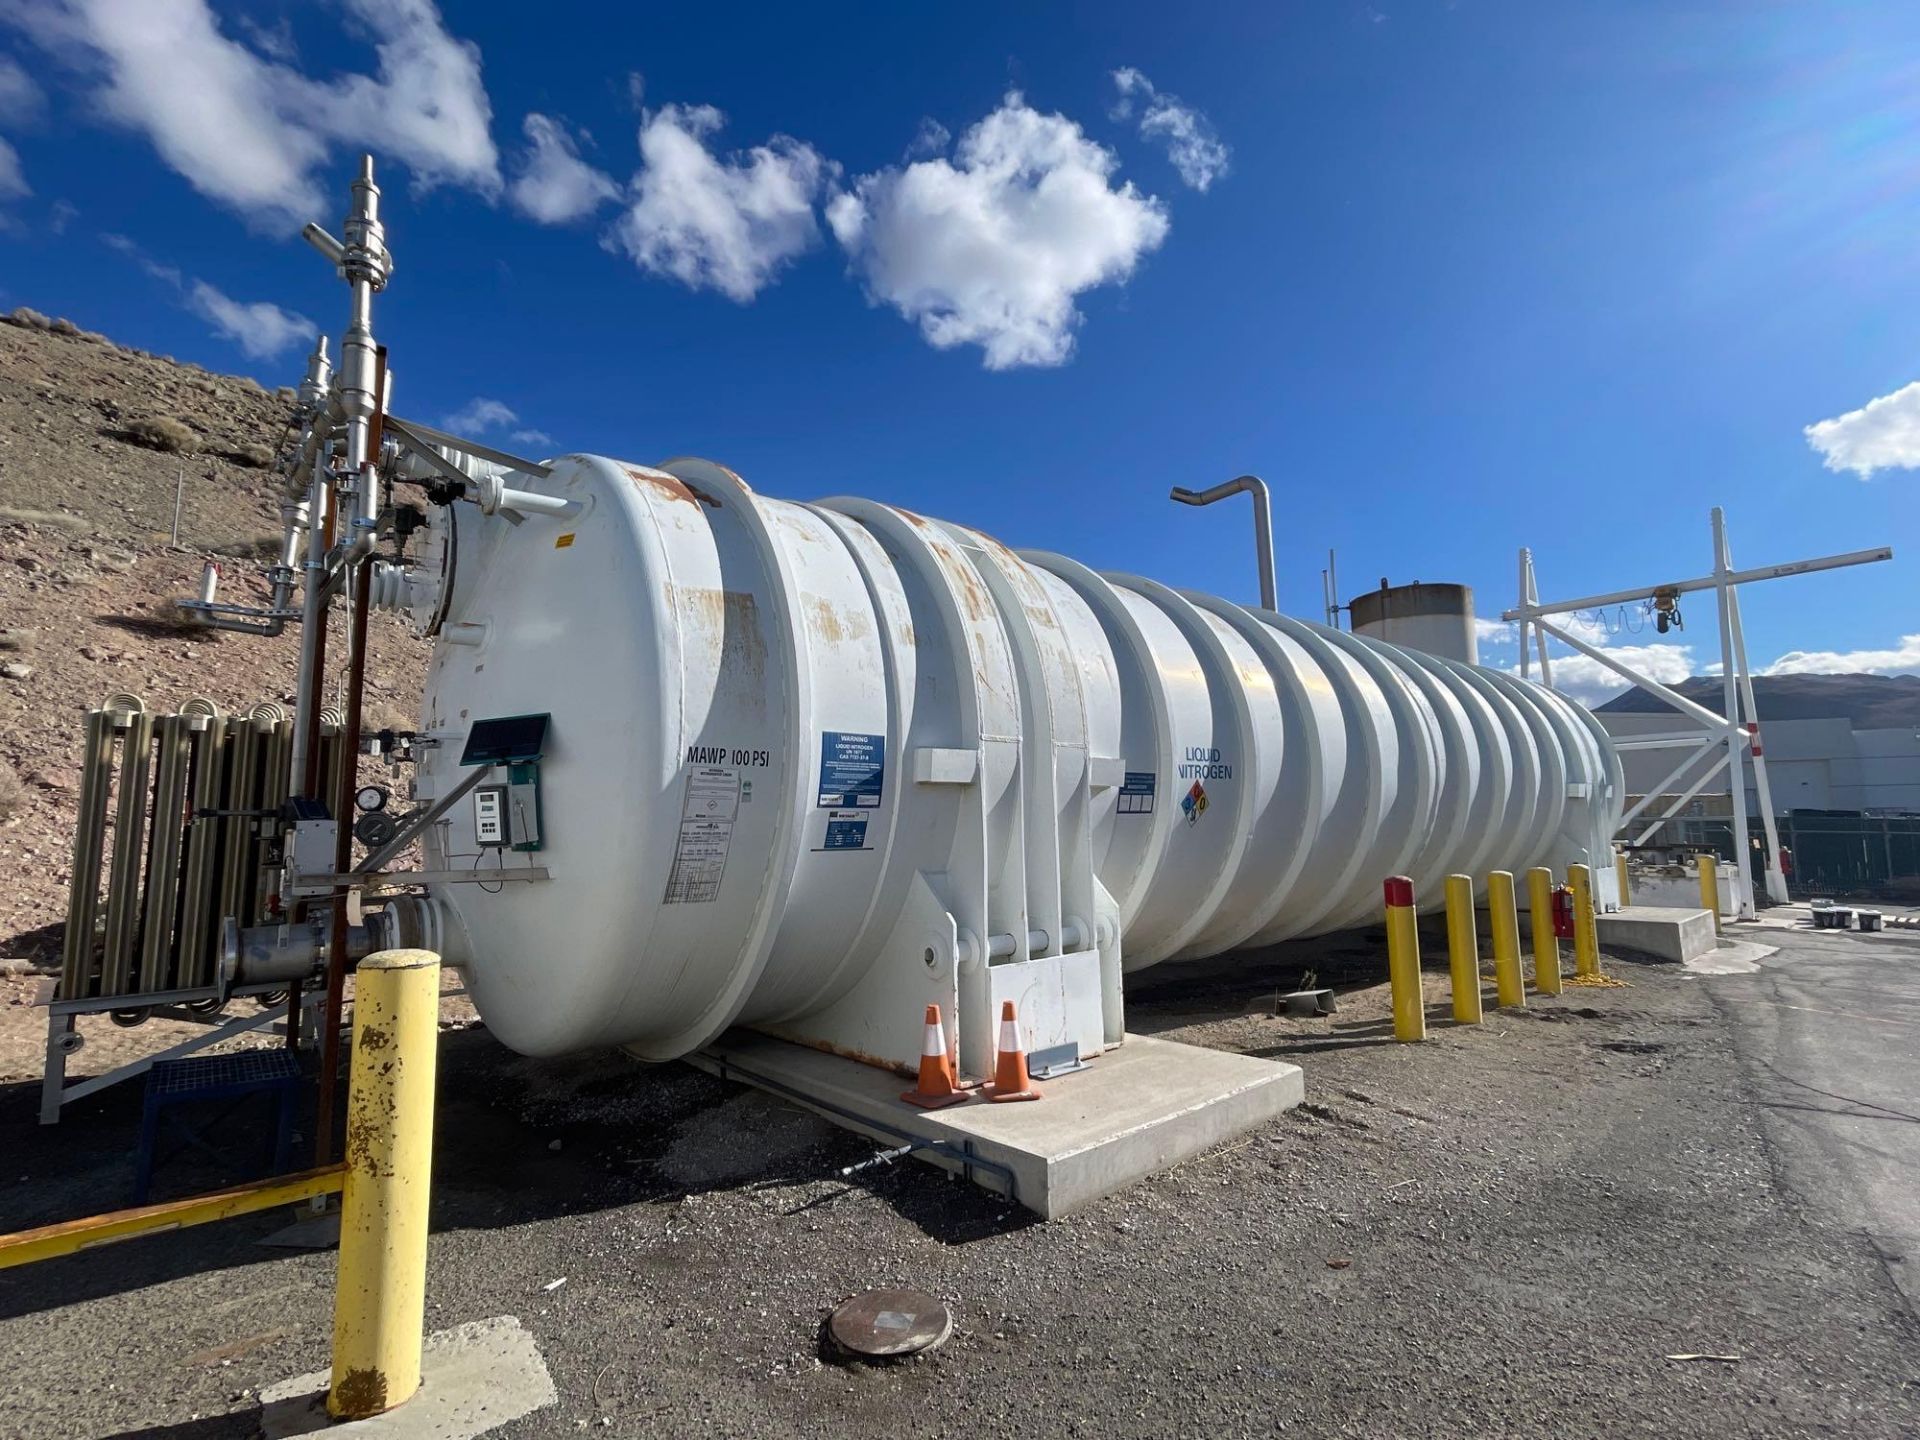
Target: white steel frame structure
x,y
1731,734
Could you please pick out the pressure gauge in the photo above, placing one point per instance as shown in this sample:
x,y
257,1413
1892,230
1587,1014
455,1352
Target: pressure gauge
x,y
370,798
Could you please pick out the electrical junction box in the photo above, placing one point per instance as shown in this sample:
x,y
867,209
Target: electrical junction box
x,y
310,854
523,805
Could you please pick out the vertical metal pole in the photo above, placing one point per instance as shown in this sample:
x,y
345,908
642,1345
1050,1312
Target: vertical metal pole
x,y
1333,592
1736,735
1403,961
179,490
1546,945
1776,876
1503,918
380,1296
1525,558
1463,950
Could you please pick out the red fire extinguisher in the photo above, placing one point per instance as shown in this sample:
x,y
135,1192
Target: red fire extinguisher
x,y
1562,912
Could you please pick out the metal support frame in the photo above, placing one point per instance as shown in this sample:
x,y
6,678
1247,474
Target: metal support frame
x,y
55,1093
1734,732
1262,523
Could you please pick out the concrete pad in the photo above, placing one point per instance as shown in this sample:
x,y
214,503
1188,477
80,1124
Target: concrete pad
x,y
1136,1110
474,1378
1732,957
1667,934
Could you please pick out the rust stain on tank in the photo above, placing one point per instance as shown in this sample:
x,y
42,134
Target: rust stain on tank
x,y
849,1052
832,625
733,616
668,486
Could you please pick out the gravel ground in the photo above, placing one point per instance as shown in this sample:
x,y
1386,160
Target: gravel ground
x,y
1506,1231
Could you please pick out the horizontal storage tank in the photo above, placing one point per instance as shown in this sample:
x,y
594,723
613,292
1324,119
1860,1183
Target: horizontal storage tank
x,y
813,766
1436,619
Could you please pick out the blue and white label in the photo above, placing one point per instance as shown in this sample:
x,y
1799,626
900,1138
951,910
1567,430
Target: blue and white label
x,y
852,768
846,834
1136,793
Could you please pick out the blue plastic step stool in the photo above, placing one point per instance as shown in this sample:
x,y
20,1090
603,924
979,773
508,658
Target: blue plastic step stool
x,y
205,1078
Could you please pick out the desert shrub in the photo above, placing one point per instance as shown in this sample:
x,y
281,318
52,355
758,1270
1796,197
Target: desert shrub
x,y
286,394
64,326
29,319
259,457
159,432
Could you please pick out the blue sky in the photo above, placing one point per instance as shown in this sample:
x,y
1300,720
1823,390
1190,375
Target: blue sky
x,y
1454,277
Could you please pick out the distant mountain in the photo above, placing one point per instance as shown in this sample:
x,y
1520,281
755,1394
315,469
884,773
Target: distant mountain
x,y
1871,702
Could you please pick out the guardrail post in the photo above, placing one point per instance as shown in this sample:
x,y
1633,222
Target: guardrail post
x,y
1586,934
1504,920
1708,867
1463,950
1403,961
380,1297
1546,945
1620,877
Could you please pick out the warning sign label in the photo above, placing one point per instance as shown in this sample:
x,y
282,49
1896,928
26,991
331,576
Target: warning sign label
x,y
707,815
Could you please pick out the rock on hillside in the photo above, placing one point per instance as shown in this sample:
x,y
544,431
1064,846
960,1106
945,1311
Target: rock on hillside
x,y
87,576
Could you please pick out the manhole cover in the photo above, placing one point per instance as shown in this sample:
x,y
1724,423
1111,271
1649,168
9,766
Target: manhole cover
x,y
890,1322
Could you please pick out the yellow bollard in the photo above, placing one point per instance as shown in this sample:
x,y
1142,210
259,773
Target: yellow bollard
x,y
1504,920
1709,868
1546,946
1463,950
1403,961
1586,935
1620,877
380,1297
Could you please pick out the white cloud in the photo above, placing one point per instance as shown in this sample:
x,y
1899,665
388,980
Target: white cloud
x,y
1902,659
1883,434
261,330
20,95
13,181
555,185
250,131
478,416
21,101
712,222
1191,142
993,247
1493,632
530,437
1585,679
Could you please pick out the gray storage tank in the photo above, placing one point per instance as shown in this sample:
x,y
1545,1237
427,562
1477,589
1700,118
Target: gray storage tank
x,y
1437,619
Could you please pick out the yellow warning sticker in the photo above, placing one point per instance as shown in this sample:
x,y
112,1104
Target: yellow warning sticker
x,y
561,542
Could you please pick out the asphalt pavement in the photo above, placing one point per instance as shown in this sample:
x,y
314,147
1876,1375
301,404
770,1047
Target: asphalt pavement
x,y
1673,1208
1829,1029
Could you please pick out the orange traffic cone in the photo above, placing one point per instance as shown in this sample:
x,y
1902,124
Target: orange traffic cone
x,y
936,1087
1010,1080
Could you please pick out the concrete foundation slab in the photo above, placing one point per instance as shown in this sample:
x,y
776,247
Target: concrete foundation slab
x,y
474,1378
1667,934
1135,1110
1732,957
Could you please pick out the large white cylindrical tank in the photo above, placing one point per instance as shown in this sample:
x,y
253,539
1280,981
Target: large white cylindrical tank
x,y
812,766
1435,619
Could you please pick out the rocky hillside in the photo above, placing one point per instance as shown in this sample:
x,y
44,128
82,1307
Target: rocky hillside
x,y
94,440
